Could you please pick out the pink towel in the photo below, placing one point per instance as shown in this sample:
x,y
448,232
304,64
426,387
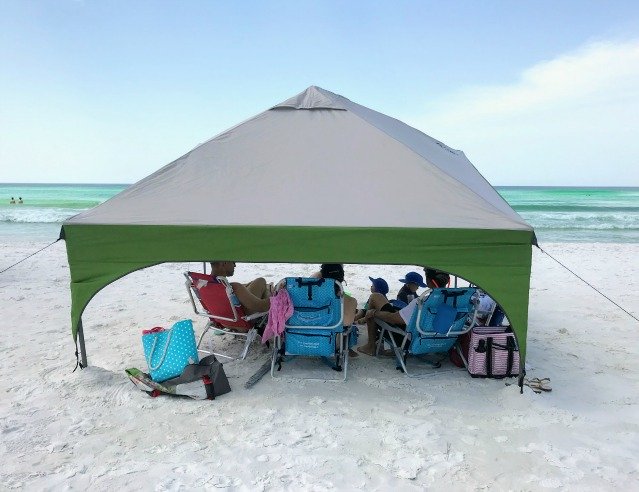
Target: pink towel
x,y
281,309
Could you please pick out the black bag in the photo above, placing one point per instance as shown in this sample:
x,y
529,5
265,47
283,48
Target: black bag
x,y
209,371
202,381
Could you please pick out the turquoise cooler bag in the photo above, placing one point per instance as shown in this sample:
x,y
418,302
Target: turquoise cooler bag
x,y
168,352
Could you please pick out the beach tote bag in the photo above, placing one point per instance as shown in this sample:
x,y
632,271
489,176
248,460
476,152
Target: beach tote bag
x,y
493,353
167,352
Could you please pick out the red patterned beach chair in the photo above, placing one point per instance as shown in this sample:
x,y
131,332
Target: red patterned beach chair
x,y
217,302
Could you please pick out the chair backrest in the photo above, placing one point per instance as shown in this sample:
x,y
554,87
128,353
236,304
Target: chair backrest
x,y
444,312
485,308
317,303
216,299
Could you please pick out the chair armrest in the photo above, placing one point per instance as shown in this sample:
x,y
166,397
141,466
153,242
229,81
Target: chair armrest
x,y
391,329
394,329
253,316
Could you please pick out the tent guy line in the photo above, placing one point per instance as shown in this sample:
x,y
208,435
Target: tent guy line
x,y
588,284
27,257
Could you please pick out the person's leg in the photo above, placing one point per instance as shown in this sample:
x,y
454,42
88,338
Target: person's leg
x,y
258,288
377,301
250,301
350,308
371,344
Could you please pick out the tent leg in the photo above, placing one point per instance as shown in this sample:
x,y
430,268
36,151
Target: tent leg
x,y
83,350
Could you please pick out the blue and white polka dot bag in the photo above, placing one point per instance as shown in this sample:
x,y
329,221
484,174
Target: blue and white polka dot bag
x,y
168,352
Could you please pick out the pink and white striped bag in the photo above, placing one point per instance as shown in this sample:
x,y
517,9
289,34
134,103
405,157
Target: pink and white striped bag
x,y
493,353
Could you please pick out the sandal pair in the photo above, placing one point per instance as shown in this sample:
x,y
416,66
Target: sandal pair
x,y
538,385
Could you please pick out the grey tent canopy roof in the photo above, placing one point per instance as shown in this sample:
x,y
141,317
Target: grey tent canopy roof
x,y
316,159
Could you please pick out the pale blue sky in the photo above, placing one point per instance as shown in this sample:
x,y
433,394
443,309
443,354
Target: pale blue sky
x,y
538,92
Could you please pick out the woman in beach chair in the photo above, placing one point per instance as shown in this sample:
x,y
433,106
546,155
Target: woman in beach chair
x,y
253,296
233,308
336,272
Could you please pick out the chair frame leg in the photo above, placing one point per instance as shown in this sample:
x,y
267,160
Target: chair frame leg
x,y
461,354
250,336
344,353
276,348
399,351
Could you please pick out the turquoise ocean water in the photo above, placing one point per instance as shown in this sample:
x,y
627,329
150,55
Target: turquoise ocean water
x,y
557,214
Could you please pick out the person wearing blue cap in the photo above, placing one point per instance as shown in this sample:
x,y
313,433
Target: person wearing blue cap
x,y
379,289
389,313
379,285
412,281
378,301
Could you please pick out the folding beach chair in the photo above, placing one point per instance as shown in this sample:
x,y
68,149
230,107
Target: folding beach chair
x,y
316,327
488,312
218,304
438,319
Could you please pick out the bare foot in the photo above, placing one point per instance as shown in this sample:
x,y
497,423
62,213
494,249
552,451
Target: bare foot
x,y
366,349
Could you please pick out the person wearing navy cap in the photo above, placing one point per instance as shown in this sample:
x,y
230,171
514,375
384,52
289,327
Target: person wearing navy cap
x,y
377,301
408,292
379,285
379,289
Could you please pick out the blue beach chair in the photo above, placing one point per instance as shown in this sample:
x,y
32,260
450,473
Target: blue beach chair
x,y
438,319
316,327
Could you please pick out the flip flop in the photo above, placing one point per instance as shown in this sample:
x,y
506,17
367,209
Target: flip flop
x,y
538,385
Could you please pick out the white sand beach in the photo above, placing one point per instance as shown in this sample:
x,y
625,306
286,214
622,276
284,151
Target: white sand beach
x,y
378,431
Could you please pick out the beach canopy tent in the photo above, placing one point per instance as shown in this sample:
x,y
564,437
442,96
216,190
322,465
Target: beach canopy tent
x,y
316,178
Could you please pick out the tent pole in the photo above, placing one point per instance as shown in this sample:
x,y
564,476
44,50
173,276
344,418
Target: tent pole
x,y
83,350
204,266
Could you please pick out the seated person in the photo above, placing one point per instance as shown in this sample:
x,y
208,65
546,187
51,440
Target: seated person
x,y
336,272
399,317
437,278
378,286
408,292
253,297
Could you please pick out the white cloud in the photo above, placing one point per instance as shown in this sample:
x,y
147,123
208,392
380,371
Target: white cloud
x,y
571,120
